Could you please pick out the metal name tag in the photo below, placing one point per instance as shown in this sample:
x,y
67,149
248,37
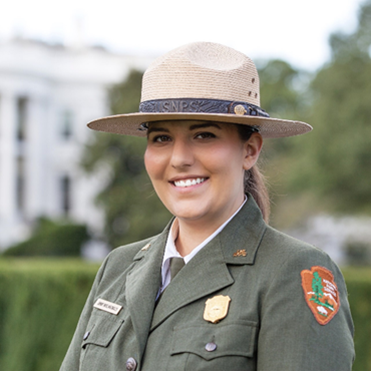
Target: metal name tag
x,y
107,306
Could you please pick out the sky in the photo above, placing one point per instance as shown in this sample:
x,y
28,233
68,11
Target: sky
x,y
293,30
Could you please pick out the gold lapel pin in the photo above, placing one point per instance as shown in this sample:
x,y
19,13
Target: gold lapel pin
x,y
216,308
240,253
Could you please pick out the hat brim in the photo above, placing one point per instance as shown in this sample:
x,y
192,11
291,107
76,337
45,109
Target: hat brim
x,y
130,124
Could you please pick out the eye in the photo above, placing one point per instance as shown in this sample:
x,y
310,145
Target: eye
x,y
205,135
161,138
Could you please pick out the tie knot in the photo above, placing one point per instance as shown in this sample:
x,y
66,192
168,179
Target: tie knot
x,y
176,264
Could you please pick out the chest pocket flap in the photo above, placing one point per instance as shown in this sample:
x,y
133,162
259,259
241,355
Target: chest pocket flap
x,y
216,340
101,329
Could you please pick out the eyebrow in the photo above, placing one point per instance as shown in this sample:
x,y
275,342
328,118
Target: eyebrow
x,y
192,127
154,129
204,125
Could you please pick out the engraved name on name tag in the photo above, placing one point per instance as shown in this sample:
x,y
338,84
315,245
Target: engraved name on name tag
x,y
107,306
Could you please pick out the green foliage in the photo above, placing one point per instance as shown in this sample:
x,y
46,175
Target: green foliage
x,y
335,159
40,303
284,94
327,170
347,46
281,86
125,96
132,210
359,289
51,238
282,90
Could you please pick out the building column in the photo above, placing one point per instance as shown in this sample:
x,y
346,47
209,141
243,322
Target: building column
x,y
35,159
8,172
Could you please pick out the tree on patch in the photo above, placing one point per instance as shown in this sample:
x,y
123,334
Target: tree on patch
x,y
317,287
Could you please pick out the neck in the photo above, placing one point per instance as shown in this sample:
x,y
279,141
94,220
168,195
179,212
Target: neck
x,y
190,236
192,233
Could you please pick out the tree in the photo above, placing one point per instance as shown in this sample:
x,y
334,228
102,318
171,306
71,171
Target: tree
x,y
282,87
284,94
337,166
317,287
131,208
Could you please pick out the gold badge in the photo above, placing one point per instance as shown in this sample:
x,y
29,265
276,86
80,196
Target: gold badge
x,y
239,110
216,308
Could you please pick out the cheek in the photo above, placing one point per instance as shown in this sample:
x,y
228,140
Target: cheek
x,y
153,163
148,162
225,159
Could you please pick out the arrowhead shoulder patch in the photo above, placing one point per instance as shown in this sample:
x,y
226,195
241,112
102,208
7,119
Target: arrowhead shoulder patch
x,y
321,293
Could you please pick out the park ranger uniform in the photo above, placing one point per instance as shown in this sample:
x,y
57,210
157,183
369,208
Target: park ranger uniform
x,y
251,299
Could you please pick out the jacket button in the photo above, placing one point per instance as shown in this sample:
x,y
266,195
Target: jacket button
x,y
131,364
210,347
86,335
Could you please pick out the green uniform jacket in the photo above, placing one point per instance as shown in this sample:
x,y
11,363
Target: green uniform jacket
x,y
269,325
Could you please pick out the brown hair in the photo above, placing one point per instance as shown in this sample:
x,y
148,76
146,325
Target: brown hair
x,y
254,182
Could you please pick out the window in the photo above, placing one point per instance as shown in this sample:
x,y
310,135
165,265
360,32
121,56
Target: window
x,y
20,185
66,194
66,125
21,118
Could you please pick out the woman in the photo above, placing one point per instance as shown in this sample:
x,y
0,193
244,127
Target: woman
x,y
243,296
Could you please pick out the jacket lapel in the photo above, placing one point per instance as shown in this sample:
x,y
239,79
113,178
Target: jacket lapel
x,y
142,284
241,238
208,271
205,274
190,283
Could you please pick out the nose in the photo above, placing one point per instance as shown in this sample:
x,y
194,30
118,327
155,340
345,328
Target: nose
x,y
182,154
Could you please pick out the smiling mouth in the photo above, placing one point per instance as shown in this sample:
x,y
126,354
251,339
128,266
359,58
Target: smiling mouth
x,y
188,182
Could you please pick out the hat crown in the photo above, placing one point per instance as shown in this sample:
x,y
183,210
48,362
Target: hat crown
x,y
202,70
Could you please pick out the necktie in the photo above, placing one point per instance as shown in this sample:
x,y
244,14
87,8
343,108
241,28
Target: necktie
x,y
176,264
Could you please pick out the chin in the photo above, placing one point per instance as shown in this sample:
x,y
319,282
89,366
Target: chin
x,y
189,213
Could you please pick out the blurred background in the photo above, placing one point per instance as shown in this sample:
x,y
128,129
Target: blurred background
x,y
69,195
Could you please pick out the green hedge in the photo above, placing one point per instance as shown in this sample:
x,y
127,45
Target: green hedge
x,y
52,238
41,300
359,289
40,303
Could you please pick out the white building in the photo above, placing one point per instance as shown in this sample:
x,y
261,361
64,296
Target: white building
x,y
47,95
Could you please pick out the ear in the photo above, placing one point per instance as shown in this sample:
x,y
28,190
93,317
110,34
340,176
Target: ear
x,y
252,150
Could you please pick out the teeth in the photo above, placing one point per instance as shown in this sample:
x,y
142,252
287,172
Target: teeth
x,y
188,182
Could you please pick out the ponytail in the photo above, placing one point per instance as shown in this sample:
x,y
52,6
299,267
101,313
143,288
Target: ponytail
x,y
254,182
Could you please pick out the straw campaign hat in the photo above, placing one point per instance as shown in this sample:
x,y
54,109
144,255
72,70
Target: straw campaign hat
x,y
201,81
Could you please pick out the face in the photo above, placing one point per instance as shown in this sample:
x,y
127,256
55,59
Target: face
x,y
197,168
